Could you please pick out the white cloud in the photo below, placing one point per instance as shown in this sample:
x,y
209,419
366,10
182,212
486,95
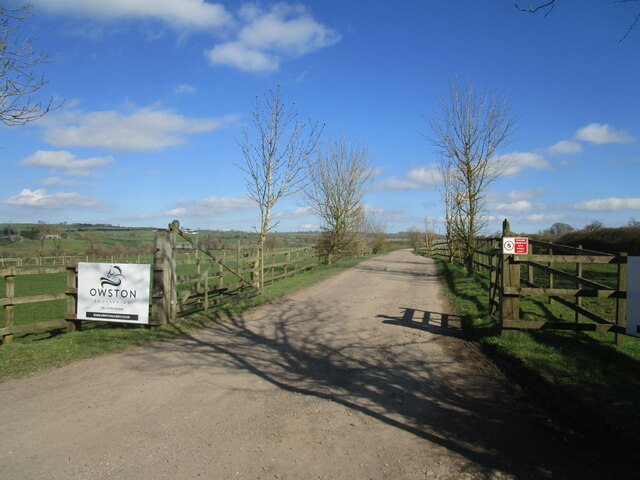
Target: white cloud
x,y
519,206
545,217
67,162
210,206
284,31
599,133
427,175
608,204
296,213
517,161
184,89
565,147
61,182
393,184
183,13
309,226
515,195
235,54
54,201
146,128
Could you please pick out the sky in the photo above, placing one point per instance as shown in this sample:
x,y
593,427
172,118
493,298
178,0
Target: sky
x,y
153,97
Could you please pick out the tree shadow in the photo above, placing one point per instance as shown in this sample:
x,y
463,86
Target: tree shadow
x,y
302,348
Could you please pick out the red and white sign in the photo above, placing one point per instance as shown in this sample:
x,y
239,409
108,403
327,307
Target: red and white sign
x,y
515,246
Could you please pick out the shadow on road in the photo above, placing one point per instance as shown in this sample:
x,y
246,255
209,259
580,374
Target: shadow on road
x,y
432,322
304,349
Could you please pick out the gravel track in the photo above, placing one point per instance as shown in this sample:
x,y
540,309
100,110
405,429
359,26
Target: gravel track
x,y
362,376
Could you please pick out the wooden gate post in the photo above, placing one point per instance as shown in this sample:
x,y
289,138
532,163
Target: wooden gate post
x,y
163,295
509,302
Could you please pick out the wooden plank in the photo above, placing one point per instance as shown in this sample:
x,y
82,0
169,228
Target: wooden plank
x,y
566,248
554,325
565,292
31,271
45,297
33,326
570,276
581,310
606,259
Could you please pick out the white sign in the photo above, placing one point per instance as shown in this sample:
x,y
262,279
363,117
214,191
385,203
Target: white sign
x,y
633,296
515,246
113,293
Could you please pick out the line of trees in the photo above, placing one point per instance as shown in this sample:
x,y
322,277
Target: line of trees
x,y
283,156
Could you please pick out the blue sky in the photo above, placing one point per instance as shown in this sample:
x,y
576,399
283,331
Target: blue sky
x,y
156,95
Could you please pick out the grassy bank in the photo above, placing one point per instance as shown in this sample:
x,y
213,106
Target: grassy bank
x,y
32,352
590,382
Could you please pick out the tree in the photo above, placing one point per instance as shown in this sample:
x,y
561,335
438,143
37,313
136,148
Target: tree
x,y
560,228
467,133
594,226
18,82
549,5
415,238
338,177
275,161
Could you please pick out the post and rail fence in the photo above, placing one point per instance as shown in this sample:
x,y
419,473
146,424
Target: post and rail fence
x,y
558,273
180,283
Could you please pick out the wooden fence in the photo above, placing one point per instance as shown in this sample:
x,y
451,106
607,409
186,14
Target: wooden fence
x,y
180,284
558,273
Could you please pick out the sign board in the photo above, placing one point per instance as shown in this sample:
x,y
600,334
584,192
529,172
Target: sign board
x,y
515,246
633,296
113,293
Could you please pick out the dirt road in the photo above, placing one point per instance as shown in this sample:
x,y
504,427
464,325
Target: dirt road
x,y
353,378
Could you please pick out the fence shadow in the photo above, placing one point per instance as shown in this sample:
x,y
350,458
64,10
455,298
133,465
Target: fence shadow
x,y
432,322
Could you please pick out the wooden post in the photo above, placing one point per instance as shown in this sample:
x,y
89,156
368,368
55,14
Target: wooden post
x,y
510,304
494,261
9,292
550,275
163,290
73,324
578,285
198,271
621,303
206,292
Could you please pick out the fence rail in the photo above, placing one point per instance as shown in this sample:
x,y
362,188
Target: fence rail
x,y
557,272
182,282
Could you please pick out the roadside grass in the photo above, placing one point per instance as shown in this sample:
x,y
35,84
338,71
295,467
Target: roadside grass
x,y
35,351
590,382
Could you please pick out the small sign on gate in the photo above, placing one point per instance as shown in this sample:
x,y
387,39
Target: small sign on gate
x,y
515,245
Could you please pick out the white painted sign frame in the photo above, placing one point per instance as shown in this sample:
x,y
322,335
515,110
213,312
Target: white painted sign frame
x,y
633,296
110,292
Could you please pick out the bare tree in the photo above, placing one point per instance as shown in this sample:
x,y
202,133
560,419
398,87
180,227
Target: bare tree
x,y
467,133
275,161
18,82
415,238
339,176
549,5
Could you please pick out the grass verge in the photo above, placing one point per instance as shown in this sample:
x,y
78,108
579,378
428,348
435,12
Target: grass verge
x,y
590,383
37,351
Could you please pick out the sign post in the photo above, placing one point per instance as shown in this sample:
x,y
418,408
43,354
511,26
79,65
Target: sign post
x,y
113,293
